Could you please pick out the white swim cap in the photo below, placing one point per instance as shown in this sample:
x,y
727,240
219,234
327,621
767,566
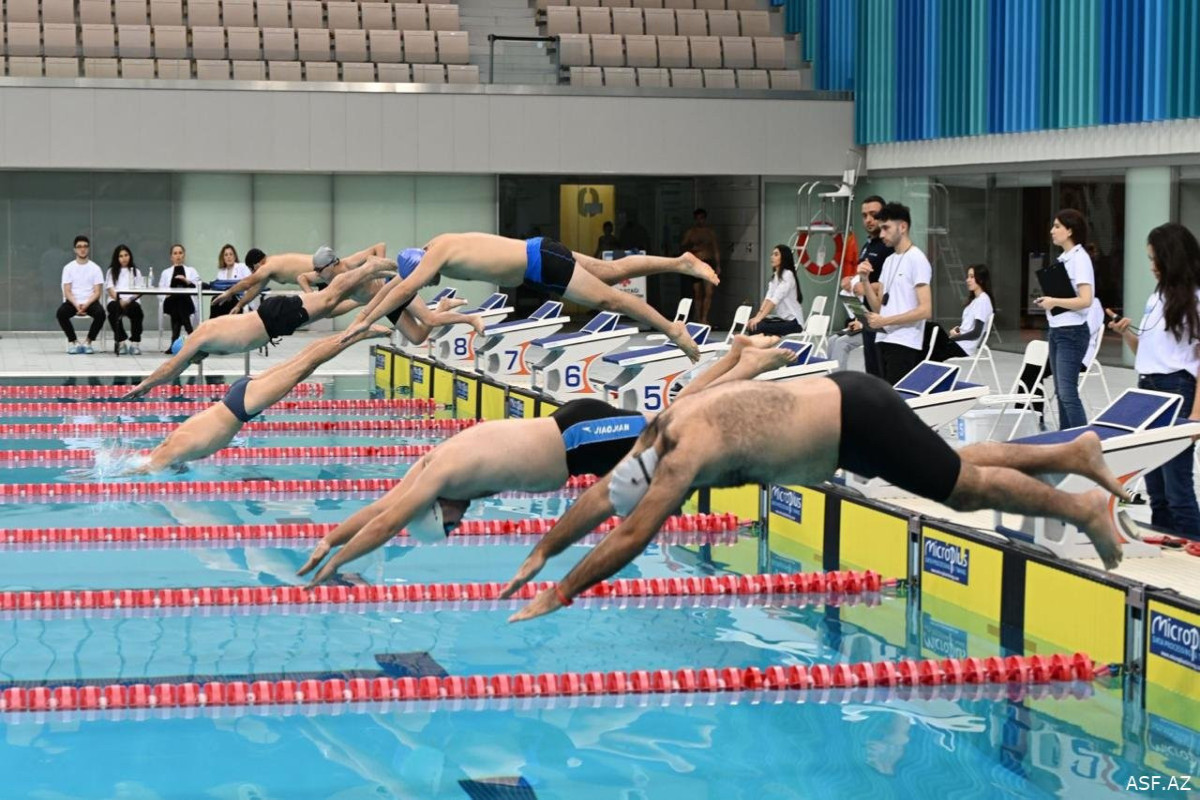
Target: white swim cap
x,y
428,527
631,480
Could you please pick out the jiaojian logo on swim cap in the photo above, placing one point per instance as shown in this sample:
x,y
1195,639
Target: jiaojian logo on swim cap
x,y
947,560
1175,640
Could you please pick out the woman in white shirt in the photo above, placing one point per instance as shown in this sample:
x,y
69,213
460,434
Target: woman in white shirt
x,y
1067,316
179,307
124,274
228,269
1166,344
781,312
964,340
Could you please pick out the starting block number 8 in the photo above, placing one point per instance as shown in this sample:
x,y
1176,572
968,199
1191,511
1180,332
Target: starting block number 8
x,y
460,346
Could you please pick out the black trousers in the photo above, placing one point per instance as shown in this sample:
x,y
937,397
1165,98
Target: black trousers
x,y
871,354
897,360
180,309
133,312
216,309
776,326
67,310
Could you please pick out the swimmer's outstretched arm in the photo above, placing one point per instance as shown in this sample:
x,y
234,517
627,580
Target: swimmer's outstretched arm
x,y
255,280
399,291
423,490
170,369
671,483
592,508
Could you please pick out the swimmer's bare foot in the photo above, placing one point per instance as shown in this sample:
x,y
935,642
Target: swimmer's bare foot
x,y
450,303
476,322
760,341
1092,465
690,265
766,360
677,332
1101,528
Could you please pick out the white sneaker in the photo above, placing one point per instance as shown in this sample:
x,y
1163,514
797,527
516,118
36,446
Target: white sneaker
x,y
134,350
87,349
74,349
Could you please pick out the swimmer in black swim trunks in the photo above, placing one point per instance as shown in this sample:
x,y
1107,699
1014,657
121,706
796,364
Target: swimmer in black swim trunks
x,y
799,433
282,315
544,263
533,455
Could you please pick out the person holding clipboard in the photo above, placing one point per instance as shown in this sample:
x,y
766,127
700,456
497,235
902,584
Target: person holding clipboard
x,y
1067,286
1167,347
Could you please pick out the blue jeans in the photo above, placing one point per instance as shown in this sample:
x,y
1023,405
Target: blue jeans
x,y
1171,487
1067,348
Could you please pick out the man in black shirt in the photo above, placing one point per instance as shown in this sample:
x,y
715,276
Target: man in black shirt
x,y
874,252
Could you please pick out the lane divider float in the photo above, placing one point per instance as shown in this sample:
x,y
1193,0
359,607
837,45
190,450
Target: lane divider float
x,y
226,490
234,455
801,583
1013,670
286,532
56,430
92,392
135,407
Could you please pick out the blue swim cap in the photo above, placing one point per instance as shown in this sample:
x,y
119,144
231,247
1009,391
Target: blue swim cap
x,y
407,260
177,345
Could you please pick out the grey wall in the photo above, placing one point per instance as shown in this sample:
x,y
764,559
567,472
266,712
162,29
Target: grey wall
x,y
104,125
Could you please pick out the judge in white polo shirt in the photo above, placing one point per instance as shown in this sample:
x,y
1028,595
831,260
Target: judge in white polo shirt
x,y
901,302
82,285
1168,360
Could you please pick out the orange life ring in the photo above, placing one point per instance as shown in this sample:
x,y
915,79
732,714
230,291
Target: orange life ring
x,y
817,265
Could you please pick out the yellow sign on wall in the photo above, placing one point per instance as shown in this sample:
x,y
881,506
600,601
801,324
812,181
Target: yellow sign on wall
x,y
443,386
381,360
421,373
797,514
875,540
466,397
492,401
1069,613
401,371
582,211
962,572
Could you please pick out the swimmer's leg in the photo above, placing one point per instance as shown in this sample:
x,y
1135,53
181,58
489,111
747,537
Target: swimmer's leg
x,y
1005,489
1082,456
612,272
273,385
589,290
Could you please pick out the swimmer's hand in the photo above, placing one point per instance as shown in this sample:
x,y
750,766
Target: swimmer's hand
x,y
528,571
359,326
134,393
318,555
545,603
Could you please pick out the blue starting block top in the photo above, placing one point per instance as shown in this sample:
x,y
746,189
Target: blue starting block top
x,y
928,377
442,294
803,350
1136,410
698,332
494,301
547,310
604,322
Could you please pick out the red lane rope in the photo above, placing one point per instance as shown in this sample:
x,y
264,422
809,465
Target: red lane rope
x,y
92,392
189,406
234,455
1014,670
166,535
841,583
57,430
41,492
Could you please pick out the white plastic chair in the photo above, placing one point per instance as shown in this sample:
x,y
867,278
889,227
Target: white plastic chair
x,y
1037,355
816,331
1091,363
741,318
816,310
982,353
682,312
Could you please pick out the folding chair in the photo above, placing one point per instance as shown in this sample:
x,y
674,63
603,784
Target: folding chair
x,y
983,353
1026,389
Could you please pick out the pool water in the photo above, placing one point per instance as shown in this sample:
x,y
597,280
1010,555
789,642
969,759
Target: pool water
x,y
1086,743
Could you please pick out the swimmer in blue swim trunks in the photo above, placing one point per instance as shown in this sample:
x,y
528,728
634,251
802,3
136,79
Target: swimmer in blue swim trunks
x,y
209,431
281,315
544,263
584,437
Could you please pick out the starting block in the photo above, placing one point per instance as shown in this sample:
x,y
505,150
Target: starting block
x,y
933,391
454,345
1139,432
502,351
400,342
564,373
647,372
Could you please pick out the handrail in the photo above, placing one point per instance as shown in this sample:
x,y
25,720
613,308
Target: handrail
x,y
500,37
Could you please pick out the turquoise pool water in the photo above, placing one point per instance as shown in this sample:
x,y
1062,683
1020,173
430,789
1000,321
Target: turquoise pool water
x,y
1087,743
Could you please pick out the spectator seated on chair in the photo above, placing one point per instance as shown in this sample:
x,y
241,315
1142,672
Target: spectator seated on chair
x,y
82,284
781,310
124,274
179,307
230,270
963,340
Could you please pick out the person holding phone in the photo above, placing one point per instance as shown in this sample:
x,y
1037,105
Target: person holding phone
x,y
1067,316
1167,347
